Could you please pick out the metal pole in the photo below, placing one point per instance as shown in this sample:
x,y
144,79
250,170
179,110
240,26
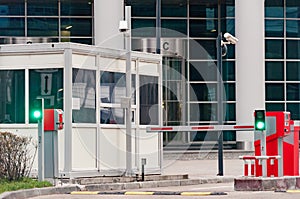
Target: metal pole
x,y
128,93
220,104
158,25
41,146
263,153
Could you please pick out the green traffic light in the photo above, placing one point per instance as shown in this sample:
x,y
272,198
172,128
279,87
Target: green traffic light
x,y
37,114
260,125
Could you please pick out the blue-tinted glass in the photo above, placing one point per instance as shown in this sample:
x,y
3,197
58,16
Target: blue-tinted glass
x,y
204,28
294,109
173,8
76,7
42,27
229,8
203,92
230,52
274,92
274,28
12,7
203,112
203,49
145,8
203,9
76,27
292,49
88,41
274,71
203,71
292,9
293,93
228,71
293,71
230,112
230,91
293,28
143,27
12,98
174,28
274,8
275,107
227,25
274,49
229,135
42,8
12,27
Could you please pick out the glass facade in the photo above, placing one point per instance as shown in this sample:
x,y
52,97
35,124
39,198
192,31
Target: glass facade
x,y
282,39
46,21
190,81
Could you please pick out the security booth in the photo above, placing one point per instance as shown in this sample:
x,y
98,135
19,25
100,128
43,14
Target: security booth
x,y
282,146
88,84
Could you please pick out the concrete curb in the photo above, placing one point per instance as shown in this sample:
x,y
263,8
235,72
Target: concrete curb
x,y
21,194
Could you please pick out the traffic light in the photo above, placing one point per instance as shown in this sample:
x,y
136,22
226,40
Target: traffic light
x,y
36,113
260,120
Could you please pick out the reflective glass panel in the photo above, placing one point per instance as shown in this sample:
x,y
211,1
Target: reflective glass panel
x,y
228,71
274,8
76,27
145,8
47,84
274,28
148,100
143,27
42,8
204,28
203,92
228,25
12,7
76,7
292,49
203,112
292,28
203,49
12,98
12,27
173,8
203,9
173,111
275,107
88,41
293,93
174,28
294,109
42,27
274,92
230,91
274,49
84,92
274,71
229,6
292,9
293,71
230,112
112,115
203,71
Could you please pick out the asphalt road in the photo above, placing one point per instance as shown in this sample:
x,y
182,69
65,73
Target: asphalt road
x,y
220,187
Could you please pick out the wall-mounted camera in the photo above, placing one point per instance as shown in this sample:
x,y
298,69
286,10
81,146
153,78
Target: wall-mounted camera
x,y
230,38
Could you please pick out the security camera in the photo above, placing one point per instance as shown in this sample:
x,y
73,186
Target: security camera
x,y
230,38
123,26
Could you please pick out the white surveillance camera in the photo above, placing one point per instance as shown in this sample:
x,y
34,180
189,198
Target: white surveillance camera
x,y
230,38
123,26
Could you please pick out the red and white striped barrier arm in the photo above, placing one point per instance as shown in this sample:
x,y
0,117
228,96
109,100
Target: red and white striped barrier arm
x,y
201,128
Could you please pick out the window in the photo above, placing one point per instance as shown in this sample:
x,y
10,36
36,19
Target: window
x,y
47,84
12,98
274,71
84,94
42,8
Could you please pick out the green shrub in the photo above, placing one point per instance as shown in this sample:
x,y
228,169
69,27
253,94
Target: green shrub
x,y
14,156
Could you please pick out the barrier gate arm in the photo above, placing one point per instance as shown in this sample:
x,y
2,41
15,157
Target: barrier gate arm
x,y
200,128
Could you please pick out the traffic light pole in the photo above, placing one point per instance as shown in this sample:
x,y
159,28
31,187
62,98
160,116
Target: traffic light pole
x,y
263,153
41,146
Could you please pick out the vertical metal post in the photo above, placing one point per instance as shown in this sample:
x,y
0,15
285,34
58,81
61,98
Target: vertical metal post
x,y
263,153
128,93
144,162
280,153
220,104
158,25
41,146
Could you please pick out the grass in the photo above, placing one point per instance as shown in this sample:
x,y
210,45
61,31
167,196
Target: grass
x,y
25,183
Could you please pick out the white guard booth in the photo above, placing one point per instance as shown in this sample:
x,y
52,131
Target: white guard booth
x,y
87,82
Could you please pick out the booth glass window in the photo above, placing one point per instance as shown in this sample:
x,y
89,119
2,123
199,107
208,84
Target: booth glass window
x,y
148,100
12,98
84,96
47,84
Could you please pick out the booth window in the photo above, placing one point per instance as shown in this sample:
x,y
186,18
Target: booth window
x,y
84,96
148,100
47,84
12,98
